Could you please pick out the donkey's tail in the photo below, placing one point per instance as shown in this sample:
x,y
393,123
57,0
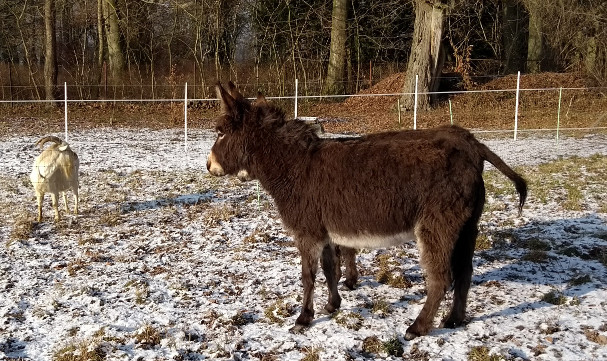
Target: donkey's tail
x,y
49,138
519,183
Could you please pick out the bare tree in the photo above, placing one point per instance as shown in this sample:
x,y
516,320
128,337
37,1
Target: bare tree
x,y
535,43
427,57
334,83
114,46
513,30
50,54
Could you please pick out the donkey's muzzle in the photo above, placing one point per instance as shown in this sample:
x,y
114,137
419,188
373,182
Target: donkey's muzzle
x,y
214,167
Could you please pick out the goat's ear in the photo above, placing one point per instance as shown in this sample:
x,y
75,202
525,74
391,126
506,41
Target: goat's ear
x,y
234,91
261,100
228,104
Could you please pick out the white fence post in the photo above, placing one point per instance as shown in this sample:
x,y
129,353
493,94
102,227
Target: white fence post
x,y
185,117
518,88
450,112
415,105
558,116
65,107
296,86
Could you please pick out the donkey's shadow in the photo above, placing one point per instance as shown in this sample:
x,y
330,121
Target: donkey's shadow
x,y
568,255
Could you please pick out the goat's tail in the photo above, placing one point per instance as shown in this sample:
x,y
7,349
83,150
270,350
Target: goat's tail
x,y
519,182
49,138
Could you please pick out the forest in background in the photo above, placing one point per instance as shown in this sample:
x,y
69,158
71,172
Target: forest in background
x,y
148,49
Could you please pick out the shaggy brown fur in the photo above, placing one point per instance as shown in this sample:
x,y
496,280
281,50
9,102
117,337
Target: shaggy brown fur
x,y
376,191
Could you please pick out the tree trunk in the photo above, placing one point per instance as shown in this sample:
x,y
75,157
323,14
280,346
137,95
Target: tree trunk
x,y
535,44
512,36
50,45
114,46
334,83
426,58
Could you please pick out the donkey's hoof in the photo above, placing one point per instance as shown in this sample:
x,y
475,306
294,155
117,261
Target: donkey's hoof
x,y
327,310
410,336
452,322
350,285
298,329
415,331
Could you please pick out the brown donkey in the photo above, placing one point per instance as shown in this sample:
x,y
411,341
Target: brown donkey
x,y
376,191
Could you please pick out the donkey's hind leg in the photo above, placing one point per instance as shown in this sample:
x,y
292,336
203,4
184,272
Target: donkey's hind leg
x,y
309,250
330,266
461,266
435,252
349,258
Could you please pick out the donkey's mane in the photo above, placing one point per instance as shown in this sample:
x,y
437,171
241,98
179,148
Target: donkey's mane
x,y
291,131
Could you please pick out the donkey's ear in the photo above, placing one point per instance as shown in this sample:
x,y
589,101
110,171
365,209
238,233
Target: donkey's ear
x,y
261,100
228,104
234,91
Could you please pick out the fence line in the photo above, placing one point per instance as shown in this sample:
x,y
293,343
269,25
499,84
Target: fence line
x,y
297,97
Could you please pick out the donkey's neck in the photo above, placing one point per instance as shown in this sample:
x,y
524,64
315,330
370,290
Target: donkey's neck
x,y
280,163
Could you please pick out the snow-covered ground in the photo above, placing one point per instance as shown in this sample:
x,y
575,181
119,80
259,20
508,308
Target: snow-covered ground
x,y
168,263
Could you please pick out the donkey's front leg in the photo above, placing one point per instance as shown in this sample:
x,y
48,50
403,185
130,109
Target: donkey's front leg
x,y
310,251
330,267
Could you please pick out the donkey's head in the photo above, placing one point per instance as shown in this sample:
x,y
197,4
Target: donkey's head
x,y
236,128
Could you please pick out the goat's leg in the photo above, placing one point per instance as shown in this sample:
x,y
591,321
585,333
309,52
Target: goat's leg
x,y
55,202
435,254
76,199
65,202
39,199
349,257
310,251
330,266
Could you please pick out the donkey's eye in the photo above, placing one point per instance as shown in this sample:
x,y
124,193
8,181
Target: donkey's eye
x,y
220,135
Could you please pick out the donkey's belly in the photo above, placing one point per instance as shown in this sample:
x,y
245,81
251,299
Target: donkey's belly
x,y
364,240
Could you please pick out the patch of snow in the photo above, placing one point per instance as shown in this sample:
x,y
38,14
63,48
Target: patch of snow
x,y
203,261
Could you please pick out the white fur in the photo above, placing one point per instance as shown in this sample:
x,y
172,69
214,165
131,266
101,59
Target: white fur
x,y
366,240
55,170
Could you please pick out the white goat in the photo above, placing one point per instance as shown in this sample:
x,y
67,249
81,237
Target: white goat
x,y
55,170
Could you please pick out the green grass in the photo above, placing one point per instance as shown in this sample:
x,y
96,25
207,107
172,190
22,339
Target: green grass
x,y
536,256
481,353
581,280
554,297
349,320
392,347
570,182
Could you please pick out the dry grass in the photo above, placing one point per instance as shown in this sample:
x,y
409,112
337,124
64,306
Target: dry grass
x,y
278,311
221,213
481,353
311,354
349,320
148,336
87,350
22,228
